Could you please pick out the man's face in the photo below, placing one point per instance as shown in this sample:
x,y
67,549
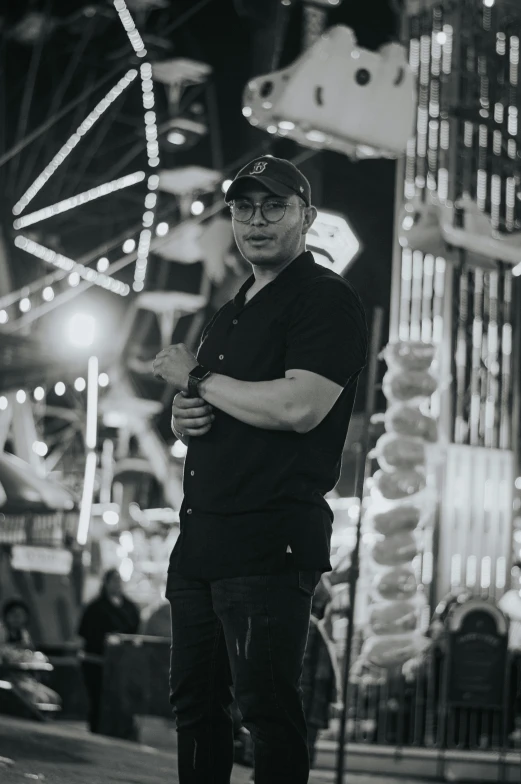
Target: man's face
x,y
266,244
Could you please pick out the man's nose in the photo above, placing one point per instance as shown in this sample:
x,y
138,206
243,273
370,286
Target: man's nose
x,y
258,218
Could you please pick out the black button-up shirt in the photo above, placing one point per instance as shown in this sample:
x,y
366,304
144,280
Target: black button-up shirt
x,y
251,492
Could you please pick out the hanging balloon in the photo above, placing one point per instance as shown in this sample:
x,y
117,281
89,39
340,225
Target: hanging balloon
x,y
396,583
395,549
396,451
393,650
393,617
408,420
398,519
400,484
403,385
409,355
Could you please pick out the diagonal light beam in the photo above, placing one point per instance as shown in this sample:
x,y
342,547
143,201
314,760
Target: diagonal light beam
x,y
69,145
79,199
64,263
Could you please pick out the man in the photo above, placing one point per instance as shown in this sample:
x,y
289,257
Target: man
x,y
264,410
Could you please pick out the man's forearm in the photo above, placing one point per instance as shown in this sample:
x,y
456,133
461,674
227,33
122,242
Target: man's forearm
x,y
269,405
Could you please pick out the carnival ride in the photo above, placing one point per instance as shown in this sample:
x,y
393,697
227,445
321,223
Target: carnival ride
x,y
181,224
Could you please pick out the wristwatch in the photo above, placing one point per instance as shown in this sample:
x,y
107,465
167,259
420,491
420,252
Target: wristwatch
x,y
198,374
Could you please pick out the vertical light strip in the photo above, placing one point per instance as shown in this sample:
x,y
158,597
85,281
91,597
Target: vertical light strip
x,y
145,236
91,433
86,499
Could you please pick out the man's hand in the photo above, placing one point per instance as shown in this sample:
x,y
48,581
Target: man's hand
x,y
191,416
173,364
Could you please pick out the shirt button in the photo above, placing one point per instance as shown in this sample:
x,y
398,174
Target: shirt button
x,y
192,473
221,356
235,321
188,511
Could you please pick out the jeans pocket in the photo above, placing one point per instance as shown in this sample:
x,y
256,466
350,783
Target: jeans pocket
x,y
308,580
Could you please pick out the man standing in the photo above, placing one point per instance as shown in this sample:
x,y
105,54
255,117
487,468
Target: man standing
x,y
264,410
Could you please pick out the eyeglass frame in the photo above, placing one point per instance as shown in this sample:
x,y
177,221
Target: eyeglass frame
x,y
255,204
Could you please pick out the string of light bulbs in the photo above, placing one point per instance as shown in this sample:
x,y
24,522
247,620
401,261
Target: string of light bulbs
x,y
145,237
76,137
161,231
79,199
64,263
147,87
132,32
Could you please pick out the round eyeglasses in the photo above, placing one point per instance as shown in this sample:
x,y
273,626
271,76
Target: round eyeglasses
x,y
272,210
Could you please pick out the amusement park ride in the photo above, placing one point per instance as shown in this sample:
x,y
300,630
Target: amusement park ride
x,y
445,102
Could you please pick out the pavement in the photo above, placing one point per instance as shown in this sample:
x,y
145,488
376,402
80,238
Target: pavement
x,y
65,753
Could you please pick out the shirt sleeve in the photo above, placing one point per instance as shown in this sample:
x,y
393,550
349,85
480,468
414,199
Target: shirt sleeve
x,y
327,332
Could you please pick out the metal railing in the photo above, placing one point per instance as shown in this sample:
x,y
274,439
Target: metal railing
x,y
411,711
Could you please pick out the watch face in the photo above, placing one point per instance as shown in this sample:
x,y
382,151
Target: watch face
x,y
199,372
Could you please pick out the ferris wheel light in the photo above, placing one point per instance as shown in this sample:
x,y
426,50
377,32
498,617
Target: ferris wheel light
x,y
73,279
81,198
82,330
39,393
21,396
80,384
103,264
162,229
48,294
132,32
40,449
69,145
59,388
226,184
197,208
103,380
128,246
68,265
4,317
3,402
25,304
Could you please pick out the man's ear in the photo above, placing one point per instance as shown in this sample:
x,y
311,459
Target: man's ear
x,y
310,214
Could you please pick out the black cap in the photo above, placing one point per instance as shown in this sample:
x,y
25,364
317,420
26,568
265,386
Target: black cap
x,y
281,177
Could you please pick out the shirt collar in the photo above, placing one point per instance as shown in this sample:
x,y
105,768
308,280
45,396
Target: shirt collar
x,y
295,271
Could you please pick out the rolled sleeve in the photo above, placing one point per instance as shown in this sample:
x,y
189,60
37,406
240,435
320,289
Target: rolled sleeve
x,y
327,332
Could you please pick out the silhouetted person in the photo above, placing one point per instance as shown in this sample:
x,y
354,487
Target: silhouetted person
x,y
14,627
110,613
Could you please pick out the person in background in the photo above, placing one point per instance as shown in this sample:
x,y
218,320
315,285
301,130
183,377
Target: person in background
x,y
109,613
14,627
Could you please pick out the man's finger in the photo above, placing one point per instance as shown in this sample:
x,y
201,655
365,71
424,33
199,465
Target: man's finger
x,y
188,402
184,422
198,432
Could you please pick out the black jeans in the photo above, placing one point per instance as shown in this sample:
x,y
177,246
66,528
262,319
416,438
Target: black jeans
x,y
93,679
244,636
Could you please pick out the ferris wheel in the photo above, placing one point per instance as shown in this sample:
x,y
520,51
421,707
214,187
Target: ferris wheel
x,y
81,171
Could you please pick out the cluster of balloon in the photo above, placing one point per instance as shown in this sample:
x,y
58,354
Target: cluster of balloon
x,y
399,509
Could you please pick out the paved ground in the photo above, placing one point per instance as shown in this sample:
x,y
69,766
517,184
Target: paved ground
x,y
60,753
